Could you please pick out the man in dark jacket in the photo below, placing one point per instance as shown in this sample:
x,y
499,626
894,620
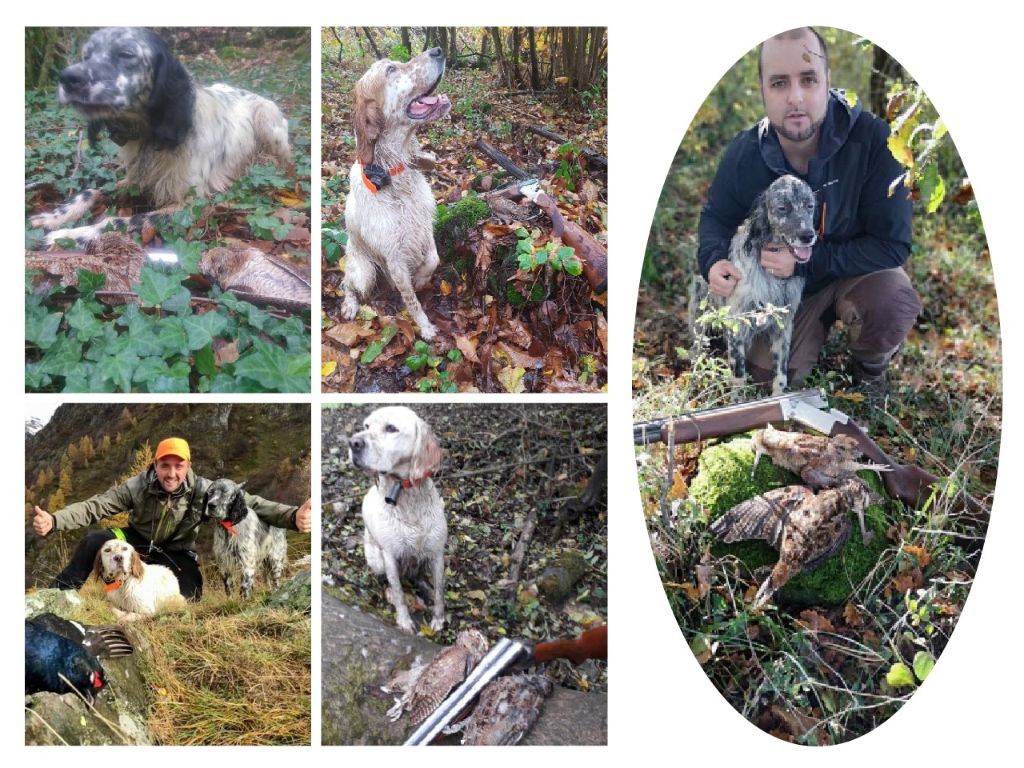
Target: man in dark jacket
x,y
164,506
864,233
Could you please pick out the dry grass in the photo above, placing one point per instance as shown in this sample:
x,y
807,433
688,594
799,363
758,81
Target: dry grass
x,y
225,672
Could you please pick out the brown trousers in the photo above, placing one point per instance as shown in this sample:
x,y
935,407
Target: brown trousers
x,y
878,309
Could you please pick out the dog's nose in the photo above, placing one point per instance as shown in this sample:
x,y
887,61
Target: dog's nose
x,y
807,237
72,77
435,53
356,444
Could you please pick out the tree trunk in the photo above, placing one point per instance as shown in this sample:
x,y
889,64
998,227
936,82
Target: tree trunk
x,y
534,67
453,44
499,56
597,44
406,42
551,34
337,36
373,44
514,56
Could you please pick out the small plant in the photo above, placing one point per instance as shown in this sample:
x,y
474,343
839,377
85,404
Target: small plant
x,y
333,241
434,378
399,53
569,168
559,257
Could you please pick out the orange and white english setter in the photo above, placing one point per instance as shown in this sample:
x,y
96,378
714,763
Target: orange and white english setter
x,y
389,212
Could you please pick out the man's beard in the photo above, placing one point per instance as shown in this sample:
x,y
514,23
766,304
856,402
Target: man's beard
x,y
798,136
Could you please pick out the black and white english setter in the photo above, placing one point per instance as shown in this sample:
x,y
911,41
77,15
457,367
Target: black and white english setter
x,y
176,138
241,540
783,214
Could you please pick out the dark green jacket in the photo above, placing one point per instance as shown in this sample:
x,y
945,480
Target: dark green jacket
x,y
170,521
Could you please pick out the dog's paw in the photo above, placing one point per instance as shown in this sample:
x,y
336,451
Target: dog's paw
x,y
428,331
44,221
406,625
437,624
350,307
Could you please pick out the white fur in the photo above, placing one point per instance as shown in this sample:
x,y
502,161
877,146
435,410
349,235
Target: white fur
x,y
396,445
392,229
145,589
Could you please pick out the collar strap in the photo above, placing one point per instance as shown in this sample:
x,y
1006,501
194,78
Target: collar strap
x,y
112,586
229,527
394,170
406,482
414,483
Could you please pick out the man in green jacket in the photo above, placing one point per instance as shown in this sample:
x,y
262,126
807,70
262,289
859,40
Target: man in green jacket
x,y
164,505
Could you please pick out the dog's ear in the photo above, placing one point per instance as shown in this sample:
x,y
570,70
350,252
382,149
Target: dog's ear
x,y
136,568
97,564
238,509
760,227
428,454
172,98
368,121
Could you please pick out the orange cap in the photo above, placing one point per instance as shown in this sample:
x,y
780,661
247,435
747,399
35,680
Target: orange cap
x,y
173,446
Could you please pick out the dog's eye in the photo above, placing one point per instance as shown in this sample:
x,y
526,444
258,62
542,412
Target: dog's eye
x,y
391,68
127,55
390,428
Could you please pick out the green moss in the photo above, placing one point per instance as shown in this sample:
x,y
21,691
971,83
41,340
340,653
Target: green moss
x,y
514,297
724,480
452,222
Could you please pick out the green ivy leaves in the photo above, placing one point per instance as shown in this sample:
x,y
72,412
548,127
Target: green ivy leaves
x,y
163,344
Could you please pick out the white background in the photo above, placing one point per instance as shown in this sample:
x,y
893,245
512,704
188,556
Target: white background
x,y
662,65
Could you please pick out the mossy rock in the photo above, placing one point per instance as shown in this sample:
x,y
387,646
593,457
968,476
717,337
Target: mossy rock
x,y
724,480
453,222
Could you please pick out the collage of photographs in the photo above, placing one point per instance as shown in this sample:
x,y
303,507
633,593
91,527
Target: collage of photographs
x,y
402,535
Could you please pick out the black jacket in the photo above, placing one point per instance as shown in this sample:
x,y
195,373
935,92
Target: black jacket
x,y
866,229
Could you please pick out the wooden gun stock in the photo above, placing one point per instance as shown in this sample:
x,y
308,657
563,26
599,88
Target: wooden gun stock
x,y
907,482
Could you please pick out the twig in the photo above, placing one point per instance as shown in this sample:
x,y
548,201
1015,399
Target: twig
x,y
519,554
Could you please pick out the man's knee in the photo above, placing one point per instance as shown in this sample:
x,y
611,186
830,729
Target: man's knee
x,y
880,310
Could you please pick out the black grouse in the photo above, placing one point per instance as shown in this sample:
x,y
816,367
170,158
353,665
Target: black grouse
x,y
54,663
101,641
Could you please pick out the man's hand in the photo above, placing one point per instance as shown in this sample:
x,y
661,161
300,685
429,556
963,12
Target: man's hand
x,y
777,260
723,277
42,523
304,517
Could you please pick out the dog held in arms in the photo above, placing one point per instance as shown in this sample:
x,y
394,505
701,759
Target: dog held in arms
x,y
389,212
135,589
783,214
176,138
241,540
403,514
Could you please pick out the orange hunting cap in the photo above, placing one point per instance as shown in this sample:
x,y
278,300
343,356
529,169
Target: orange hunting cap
x,y
173,446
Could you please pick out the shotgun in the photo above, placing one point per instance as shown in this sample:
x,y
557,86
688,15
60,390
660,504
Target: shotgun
x,y
907,482
507,656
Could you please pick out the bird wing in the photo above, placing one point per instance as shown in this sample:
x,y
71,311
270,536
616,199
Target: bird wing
x,y
762,517
446,671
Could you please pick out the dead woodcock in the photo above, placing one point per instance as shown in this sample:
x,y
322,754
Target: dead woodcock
x,y
426,686
506,710
806,528
822,462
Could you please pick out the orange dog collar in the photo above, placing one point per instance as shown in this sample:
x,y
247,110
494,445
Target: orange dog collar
x,y
392,171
